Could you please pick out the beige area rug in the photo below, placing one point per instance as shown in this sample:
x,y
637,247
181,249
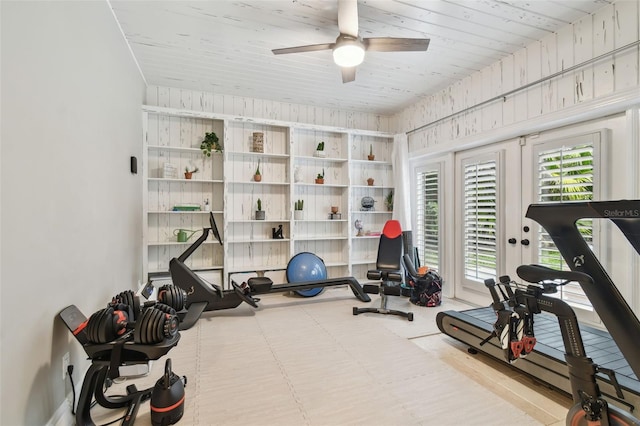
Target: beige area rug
x,y
311,362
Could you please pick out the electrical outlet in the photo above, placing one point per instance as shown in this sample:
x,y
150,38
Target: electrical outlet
x,y
66,360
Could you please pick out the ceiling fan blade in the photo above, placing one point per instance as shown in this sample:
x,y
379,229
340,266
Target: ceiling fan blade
x,y
300,49
348,17
390,44
348,74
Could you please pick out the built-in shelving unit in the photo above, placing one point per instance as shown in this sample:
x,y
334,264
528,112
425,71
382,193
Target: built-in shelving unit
x,y
289,166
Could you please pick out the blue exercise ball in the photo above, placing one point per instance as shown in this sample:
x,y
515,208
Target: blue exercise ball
x,y
304,267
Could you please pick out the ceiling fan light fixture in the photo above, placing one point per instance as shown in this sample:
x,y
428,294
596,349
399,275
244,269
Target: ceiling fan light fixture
x,y
348,52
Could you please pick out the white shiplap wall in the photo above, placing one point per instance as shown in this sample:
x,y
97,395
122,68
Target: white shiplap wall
x,y
259,108
612,27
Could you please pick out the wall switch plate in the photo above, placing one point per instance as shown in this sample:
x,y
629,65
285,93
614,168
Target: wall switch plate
x,y
66,360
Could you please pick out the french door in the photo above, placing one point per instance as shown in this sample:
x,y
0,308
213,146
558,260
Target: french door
x,y
495,186
488,212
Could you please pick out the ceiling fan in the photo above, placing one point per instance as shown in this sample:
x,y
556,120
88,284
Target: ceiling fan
x,y
348,49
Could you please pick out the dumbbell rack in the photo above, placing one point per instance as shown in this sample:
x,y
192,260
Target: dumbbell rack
x,y
106,358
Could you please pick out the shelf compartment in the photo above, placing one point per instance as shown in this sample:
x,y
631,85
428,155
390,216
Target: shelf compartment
x,y
305,142
330,251
257,256
258,240
188,181
241,202
257,154
257,231
302,158
307,169
175,243
240,137
263,183
207,256
379,195
273,169
321,230
209,168
188,150
360,172
160,227
372,162
184,212
322,238
164,195
362,144
364,250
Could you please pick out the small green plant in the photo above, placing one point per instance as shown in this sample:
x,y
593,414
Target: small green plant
x,y
210,143
186,170
388,200
321,175
259,205
320,147
258,168
299,205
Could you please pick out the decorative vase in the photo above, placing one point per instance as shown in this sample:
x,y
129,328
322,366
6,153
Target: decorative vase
x,y
257,178
334,209
187,175
371,157
260,214
319,181
298,214
320,154
370,181
258,142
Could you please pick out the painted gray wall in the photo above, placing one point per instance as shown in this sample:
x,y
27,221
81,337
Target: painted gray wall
x,y
70,221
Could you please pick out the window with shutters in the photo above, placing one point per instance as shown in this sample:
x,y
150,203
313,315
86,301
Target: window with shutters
x,y
565,174
480,256
427,236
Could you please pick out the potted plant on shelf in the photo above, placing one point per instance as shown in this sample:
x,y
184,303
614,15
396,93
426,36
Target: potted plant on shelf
x,y
370,181
371,157
210,143
320,150
260,214
388,201
257,177
189,173
298,213
320,178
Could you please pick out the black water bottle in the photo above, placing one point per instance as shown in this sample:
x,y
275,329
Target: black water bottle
x,y
167,398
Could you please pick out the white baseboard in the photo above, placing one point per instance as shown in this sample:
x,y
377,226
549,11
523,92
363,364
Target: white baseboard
x,y
63,416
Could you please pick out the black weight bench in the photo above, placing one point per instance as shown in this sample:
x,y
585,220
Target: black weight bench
x,y
388,271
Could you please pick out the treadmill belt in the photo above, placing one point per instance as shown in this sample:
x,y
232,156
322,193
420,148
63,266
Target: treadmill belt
x,y
598,343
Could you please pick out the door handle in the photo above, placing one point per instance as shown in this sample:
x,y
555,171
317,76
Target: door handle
x,y
512,240
524,242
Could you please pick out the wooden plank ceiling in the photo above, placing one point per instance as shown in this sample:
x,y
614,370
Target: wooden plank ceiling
x,y
224,46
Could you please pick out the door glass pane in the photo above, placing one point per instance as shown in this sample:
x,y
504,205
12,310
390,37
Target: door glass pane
x,y
427,222
565,174
480,257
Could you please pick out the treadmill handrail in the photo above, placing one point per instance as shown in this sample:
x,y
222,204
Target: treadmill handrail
x,y
559,220
538,273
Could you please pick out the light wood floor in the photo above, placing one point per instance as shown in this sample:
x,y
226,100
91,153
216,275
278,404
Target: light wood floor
x,y
309,361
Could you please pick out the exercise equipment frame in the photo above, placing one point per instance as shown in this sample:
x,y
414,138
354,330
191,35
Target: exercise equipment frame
x,y
545,363
203,297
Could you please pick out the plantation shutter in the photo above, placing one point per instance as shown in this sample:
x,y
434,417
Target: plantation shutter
x,y
565,174
427,224
480,257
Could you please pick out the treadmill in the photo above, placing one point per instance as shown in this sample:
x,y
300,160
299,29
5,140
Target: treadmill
x,y
617,349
